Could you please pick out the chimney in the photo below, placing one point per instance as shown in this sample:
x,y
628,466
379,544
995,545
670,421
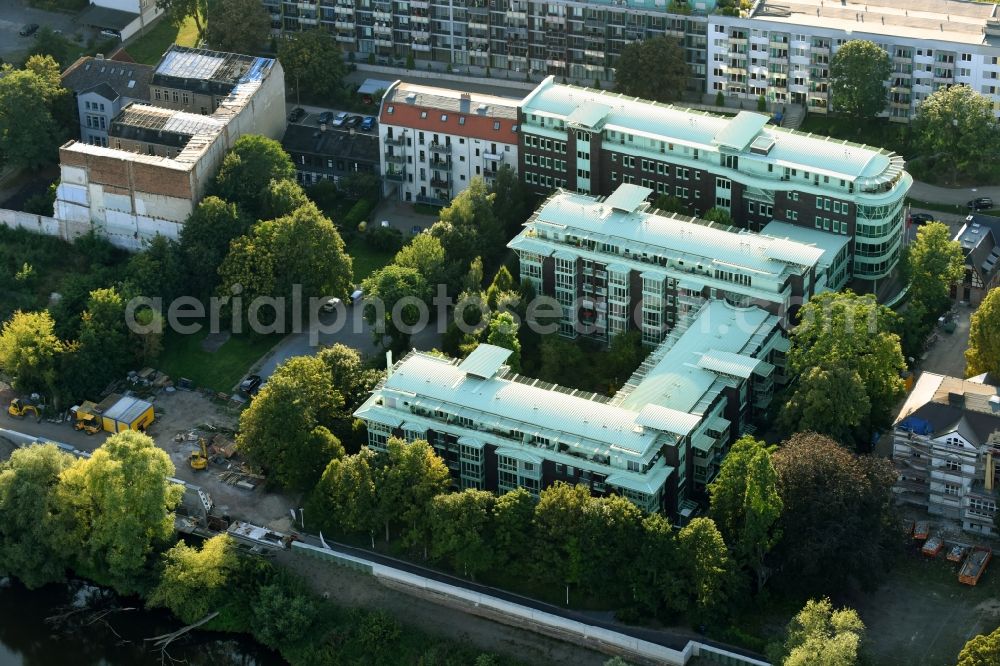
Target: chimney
x,y
988,481
388,364
99,56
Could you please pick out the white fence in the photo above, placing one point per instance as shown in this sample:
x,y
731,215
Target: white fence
x,y
546,623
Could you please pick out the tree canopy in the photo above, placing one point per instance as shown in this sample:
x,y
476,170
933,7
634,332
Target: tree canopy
x,y
236,26
285,430
30,350
843,342
393,288
424,254
934,263
708,566
652,69
820,635
502,332
839,508
983,354
205,239
313,61
981,650
196,580
178,11
248,169
30,134
956,128
858,71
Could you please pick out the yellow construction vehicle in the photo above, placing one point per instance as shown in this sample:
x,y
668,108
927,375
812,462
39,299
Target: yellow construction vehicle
x,y
20,408
84,418
199,458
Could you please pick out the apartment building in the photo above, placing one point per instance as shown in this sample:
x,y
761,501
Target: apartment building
x,y
330,154
592,141
579,40
133,193
945,446
980,241
657,442
200,80
154,130
436,140
782,49
102,87
614,265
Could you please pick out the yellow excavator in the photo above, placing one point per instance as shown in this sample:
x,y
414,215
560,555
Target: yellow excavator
x,y
84,418
19,407
199,458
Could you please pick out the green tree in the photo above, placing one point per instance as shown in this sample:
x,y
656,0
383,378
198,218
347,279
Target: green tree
x,y
821,636
424,254
248,169
285,431
205,239
981,650
412,475
392,288
934,262
955,127
829,401
858,71
299,250
625,354
832,497
502,332
48,42
28,502
346,495
983,354
657,578
469,228
503,283
718,215
281,198
312,59
118,510
671,204
461,530
178,11
99,356
349,375
652,69
282,614
612,542
30,350
560,523
29,134
236,26
843,334
157,271
512,530
708,566
513,202
196,581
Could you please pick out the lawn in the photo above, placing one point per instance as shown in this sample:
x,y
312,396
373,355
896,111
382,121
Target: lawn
x,y
220,371
151,47
366,259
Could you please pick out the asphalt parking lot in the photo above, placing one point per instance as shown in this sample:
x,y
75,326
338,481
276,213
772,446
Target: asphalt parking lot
x,y
15,15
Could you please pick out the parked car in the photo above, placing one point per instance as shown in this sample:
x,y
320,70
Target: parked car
x,y
250,385
29,30
296,114
325,118
353,121
111,34
368,124
981,203
921,218
331,305
340,119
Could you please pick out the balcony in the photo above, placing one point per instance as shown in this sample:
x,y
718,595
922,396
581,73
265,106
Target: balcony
x,y
443,182
344,11
422,47
419,18
420,34
344,25
420,4
395,175
476,24
395,158
395,140
438,162
436,147
820,50
385,17
385,30
433,201
493,157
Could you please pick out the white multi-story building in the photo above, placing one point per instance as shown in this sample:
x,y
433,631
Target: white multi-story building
x,y
658,441
782,50
945,447
434,141
615,264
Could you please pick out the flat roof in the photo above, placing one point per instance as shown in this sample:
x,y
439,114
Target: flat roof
x,y
698,129
588,217
741,130
106,17
485,361
945,20
372,86
829,244
628,197
128,409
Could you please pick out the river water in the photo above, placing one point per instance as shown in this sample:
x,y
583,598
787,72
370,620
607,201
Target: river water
x,y
87,639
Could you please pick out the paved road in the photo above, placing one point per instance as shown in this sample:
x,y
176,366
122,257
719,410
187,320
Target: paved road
x,y
957,196
354,332
14,14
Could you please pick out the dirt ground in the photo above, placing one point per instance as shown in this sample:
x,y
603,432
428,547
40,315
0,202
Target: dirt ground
x,y
184,410
923,615
351,588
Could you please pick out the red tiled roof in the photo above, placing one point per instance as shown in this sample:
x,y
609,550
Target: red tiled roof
x,y
476,126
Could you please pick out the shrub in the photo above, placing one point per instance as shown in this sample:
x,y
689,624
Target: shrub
x,y
384,239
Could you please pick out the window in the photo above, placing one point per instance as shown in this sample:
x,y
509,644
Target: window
x,y
423,114
952,466
951,489
444,117
389,110
496,125
461,120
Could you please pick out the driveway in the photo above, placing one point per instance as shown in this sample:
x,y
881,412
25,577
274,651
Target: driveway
x,y
946,356
15,15
401,215
954,196
353,332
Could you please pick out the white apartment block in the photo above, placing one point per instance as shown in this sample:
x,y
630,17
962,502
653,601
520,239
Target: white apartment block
x,y
945,445
658,442
434,141
782,50
615,264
